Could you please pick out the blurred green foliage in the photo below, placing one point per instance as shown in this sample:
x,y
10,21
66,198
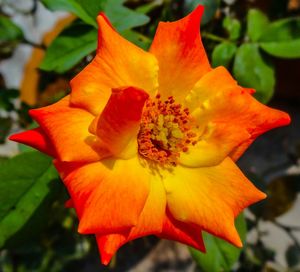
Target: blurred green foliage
x,y
70,47
36,232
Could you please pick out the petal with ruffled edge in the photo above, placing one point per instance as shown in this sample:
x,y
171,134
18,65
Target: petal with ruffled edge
x,y
67,129
109,195
181,55
229,117
119,123
117,63
181,232
210,197
35,138
168,228
150,222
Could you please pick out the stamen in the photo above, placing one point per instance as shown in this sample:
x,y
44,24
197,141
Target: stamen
x,y
166,131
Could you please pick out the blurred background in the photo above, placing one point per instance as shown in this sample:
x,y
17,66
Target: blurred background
x,y
44,43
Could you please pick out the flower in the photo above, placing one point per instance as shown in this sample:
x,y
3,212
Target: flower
x,y
146,142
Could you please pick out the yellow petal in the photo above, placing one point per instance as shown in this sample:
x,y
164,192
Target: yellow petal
x,y
210,197
229,119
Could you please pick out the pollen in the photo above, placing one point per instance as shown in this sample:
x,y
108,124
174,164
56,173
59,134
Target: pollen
x,y
165,131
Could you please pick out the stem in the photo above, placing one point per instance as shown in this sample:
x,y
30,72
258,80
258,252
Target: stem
x,y
213,37
33,44
287,228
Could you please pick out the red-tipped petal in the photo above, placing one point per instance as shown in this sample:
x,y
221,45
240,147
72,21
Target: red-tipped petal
x,y
35,138
229,118
109,244
180,54
119,122
150,222
188,234
67,129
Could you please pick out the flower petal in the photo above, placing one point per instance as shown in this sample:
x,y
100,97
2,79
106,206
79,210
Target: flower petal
x,y
170,229
181,55
150,222
109,244
67,127
210,197
35,138
214,145
215,81
227,130
181,232
109,195
119,123
117,63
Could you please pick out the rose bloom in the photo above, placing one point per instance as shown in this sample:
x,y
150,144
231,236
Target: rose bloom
x,y
146,142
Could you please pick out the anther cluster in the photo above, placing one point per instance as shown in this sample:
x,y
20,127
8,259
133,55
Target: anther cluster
x,y
165,131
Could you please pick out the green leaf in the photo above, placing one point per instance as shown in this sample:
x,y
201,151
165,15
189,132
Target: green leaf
x,y
220,255
257,22
5,126
137,38
9,31
290,49
121,17
72,6
73,44
211,7
93,7
6,98
223,54
282,30
79,39
233,27
282,38
252,70
25,181
148,7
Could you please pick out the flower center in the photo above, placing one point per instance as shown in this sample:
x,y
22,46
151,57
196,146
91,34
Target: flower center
x,y
165,131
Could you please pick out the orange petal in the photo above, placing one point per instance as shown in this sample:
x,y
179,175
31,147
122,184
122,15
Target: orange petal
x,y
109,195
229,117
210,197
119,123
181,232
150,222
67,129
109,244
170,229
35,138
117,63
181,56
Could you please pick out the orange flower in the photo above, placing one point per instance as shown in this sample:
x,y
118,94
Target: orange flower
x,y
146,142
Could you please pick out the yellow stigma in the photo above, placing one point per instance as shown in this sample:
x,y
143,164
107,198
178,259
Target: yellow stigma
x,y
165,131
